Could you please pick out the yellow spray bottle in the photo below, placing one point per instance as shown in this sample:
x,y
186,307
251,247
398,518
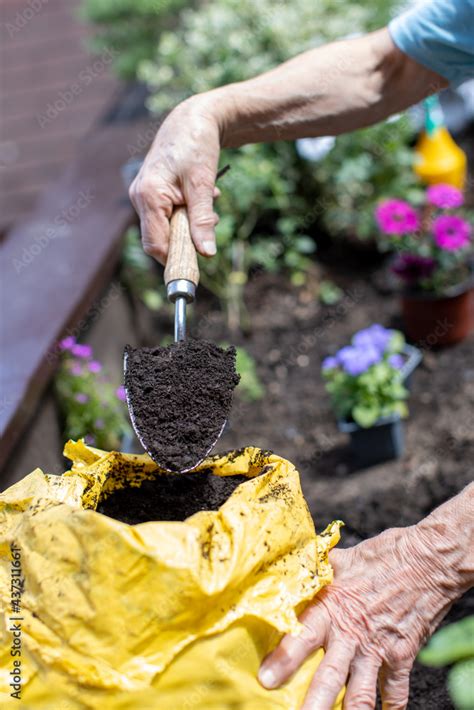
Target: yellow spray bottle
x,y
438,157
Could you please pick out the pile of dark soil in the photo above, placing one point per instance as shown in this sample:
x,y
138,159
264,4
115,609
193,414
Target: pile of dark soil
x,y
172,496
180,396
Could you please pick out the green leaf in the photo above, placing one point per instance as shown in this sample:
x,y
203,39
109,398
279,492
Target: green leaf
x,y
449,644
329,293
365,416
152,299
396,343
461,684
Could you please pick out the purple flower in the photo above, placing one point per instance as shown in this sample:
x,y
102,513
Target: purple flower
x,y
120,392
397,361
375,336
444,196
99,423
94,366
67,343
329,363
413,268
82,351
89,439
397,217
76,369
81,398
355,361
451,232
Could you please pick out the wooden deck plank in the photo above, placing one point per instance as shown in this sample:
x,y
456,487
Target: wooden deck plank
x,y
55,264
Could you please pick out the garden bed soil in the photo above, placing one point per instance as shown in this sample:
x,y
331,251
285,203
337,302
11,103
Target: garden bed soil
x,y
180,396
291,334
172,496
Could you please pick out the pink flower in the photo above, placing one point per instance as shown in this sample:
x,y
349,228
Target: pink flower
x,y
94,366
397,217
82,351
450,232
81,398
120,392
67,343
76,369
444,196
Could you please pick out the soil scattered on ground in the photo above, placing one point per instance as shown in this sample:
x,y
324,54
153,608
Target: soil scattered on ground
x,y
180,396
173,496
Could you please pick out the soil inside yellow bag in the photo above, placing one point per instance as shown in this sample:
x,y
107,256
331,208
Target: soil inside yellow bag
x,y
161,615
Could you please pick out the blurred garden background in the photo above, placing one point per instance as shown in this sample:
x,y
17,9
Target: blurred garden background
x,y
318,240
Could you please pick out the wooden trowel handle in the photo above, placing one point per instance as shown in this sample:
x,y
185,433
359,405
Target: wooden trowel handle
x,y
182,260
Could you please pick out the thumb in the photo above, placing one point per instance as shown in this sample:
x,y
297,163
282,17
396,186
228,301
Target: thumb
x,y
199,195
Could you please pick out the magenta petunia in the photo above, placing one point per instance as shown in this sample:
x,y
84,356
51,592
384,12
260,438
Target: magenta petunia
x,y
120,392
451,232
444,196
94,366
397,217
81,398
83,351
67,343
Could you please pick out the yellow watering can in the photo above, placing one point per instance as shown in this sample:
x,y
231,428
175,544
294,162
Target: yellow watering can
x,y
438,157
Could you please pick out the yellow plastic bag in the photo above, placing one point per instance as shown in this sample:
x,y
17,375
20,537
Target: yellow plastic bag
x,y
161,615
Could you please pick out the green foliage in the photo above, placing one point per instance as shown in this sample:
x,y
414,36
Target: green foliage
x,y
250,387
139,272
330,293
91,406
232,40
130,27
361,169
461,684
374,395
256,194
454,644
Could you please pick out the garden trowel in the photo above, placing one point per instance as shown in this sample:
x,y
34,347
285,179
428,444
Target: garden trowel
x,y
179,396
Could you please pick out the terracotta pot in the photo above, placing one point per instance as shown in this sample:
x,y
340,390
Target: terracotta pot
x,y
432,321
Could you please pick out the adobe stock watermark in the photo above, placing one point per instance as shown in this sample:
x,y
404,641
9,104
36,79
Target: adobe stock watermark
x,y
56,229
66,97
23,17
17,586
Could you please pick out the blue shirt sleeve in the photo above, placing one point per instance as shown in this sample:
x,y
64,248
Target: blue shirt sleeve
x,y
440,35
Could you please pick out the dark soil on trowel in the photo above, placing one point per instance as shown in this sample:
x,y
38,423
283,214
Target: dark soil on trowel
x,y
180,396
171,496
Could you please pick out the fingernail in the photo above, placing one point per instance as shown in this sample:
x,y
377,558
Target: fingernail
x,y
267,678
209,247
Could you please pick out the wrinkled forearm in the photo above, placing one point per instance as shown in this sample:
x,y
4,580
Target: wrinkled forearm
x,y
326,91
445,544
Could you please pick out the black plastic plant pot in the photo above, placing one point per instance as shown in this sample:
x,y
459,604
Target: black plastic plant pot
x,y
381,442
413,358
